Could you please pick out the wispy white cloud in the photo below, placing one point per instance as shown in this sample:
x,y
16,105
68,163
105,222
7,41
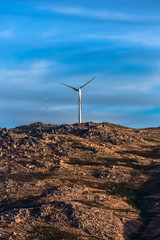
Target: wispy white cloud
x,y
25,74
48,34
63,107
127,83
100,14
147,39
95,14
6,34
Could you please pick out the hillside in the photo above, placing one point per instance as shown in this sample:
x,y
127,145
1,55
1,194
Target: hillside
x,y
79,182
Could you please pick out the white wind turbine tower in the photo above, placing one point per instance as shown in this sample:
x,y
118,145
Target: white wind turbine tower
x,y
79,93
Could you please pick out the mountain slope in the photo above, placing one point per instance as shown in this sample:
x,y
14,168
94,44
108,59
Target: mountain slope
x,y
82,181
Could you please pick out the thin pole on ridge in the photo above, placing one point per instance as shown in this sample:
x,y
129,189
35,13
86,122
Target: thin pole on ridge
x,y
47,107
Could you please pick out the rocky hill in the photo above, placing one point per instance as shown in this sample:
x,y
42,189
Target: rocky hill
x,y
79,182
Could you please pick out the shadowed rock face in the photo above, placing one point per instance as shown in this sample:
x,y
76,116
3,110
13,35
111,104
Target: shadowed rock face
x,y
80,182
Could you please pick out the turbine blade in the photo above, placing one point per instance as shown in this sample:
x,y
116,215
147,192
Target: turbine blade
x,y
69,86
87,83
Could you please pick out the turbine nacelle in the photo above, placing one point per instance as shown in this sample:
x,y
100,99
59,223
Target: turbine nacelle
x,y
79,91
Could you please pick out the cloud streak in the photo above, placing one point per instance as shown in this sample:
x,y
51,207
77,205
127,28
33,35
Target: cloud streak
x,y
28,75
6,34
100,14
145,38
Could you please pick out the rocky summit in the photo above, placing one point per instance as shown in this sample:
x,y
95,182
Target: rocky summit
x,y
79,182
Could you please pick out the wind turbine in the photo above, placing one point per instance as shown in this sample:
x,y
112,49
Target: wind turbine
x,y
79,95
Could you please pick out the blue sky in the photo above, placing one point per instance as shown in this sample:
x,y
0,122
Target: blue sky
x,y
46,42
